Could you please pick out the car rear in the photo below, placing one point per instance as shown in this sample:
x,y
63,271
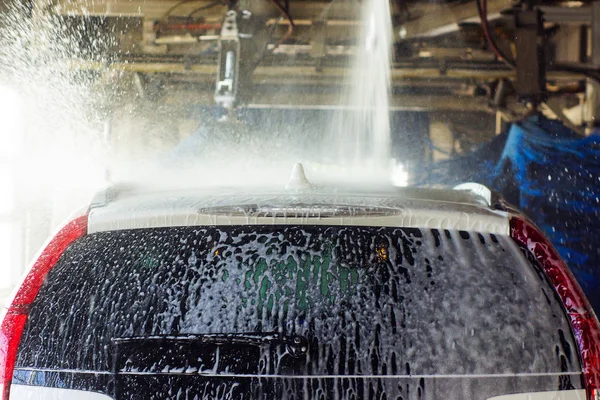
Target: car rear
x,y
314,310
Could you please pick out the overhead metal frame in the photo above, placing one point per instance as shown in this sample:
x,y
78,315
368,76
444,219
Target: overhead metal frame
x,y
309,75
317,61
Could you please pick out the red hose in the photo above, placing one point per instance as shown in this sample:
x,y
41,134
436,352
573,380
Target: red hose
x,y
290,27
486,31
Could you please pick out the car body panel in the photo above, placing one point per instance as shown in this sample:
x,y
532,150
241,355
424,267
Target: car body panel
x,y
26,392
437,209
557,395
441,386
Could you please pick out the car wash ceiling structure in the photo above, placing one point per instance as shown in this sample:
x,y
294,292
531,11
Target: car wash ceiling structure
x,y
457,55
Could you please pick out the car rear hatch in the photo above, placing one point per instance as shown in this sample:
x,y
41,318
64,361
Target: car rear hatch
x,y
312,312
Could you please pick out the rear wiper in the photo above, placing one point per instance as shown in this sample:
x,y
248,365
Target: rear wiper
x,y
206,359
297,346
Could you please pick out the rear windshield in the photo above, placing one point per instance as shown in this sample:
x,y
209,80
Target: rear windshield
x,y
360,300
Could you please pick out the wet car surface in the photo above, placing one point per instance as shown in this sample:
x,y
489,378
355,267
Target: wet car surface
x,y
336,306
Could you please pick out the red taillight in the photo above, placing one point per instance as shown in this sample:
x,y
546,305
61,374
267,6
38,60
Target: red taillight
x,y
14,320
582,317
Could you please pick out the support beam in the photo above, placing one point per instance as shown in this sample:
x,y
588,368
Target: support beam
x,y
567,15
427,17
328,101
308,74
341,9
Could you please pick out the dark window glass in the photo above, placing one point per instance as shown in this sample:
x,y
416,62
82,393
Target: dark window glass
x,y
365,301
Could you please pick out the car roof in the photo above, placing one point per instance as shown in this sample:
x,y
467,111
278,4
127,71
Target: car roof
x,y
131,207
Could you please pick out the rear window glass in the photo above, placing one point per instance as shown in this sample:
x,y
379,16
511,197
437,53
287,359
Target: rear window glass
x,y
368,301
